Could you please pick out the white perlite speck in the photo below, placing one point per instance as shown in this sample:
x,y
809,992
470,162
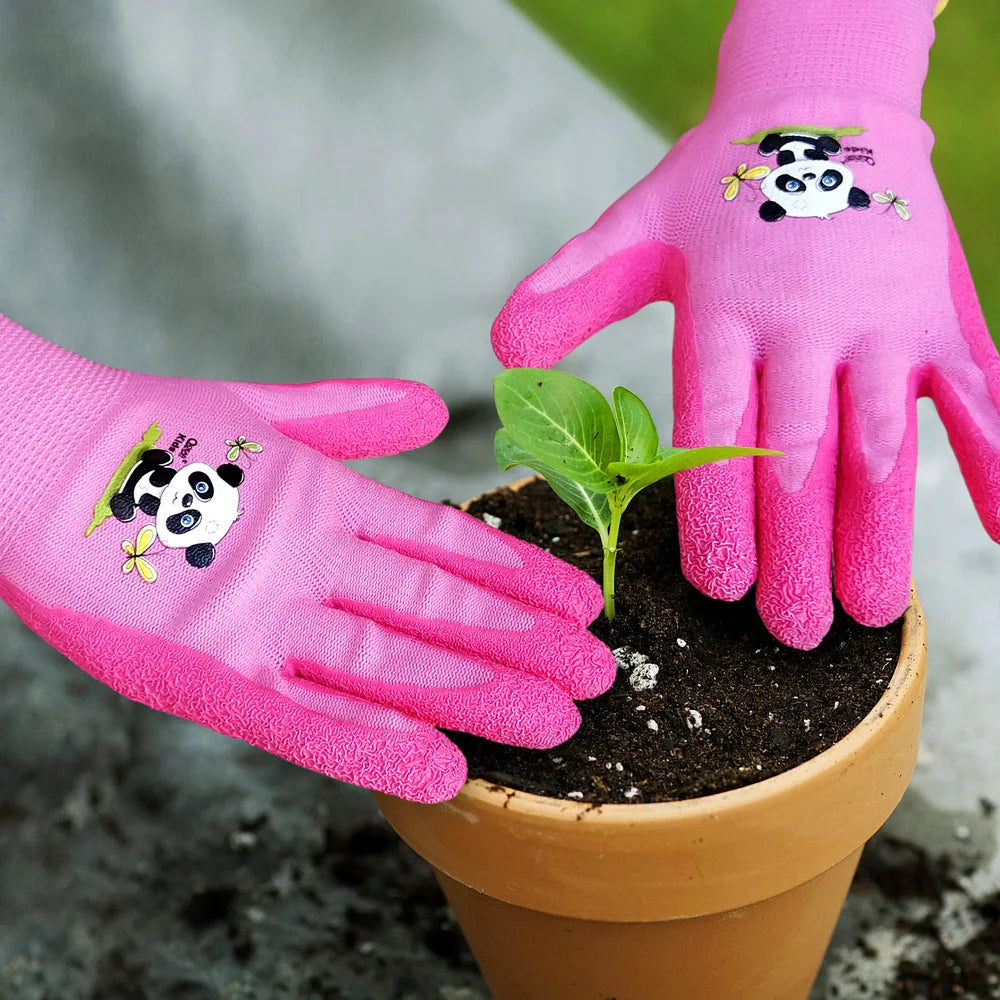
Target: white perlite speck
x,y
807,724
492,520
643,677
619,767
643,673
591,758
654,725
682,643
574,795
640,708
692,718
631,792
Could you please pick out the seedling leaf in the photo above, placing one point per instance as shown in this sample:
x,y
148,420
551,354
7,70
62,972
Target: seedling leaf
x,y
635,426
562,421
590,506
637,476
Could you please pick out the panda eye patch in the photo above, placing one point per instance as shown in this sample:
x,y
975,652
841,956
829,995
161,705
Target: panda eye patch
x,y
831,180
201,485
790,184
185,521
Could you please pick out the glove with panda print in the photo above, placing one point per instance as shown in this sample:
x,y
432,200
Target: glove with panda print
x,y
192,545
819,288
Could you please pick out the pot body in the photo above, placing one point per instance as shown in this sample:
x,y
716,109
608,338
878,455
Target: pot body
x,y
727,897
769,950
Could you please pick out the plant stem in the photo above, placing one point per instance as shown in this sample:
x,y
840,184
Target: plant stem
x,y
610,554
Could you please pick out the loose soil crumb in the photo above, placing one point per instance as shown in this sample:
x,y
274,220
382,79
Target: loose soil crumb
x,y
706,700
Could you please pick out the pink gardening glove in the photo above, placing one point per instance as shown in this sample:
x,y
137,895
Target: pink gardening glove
x,y
819,289
188,544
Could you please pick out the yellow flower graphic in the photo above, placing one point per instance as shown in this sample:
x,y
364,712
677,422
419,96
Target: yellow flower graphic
x,y
743,173
241,444
136,554
893,200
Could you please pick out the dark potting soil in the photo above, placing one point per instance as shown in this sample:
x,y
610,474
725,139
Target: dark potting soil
x,y
706,699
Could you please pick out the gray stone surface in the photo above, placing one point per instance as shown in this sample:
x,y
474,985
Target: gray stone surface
x,y
271,192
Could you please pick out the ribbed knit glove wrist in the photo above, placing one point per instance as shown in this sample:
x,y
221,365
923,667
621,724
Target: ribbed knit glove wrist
x,y
819,287
875,48
192,545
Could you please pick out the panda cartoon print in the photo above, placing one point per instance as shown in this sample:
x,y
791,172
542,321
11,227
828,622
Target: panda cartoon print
x,y
194,506
806,184
197,509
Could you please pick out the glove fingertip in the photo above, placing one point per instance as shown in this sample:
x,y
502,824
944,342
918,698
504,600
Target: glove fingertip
x,y
875,611
803,626
430,769
416,418
517,334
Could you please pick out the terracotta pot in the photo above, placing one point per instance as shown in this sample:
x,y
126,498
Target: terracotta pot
x,y
728,897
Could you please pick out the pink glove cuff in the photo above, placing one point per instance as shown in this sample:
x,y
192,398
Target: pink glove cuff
x,y
875,47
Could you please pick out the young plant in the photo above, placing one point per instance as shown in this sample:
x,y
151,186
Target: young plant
x,y
595,457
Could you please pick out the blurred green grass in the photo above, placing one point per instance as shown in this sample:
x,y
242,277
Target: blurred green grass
x,y
659,56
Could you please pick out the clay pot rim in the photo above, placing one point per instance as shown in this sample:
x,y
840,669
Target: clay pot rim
x,y
484,795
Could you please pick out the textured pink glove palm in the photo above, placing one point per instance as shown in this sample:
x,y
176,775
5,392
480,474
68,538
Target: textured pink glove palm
x,y
819,289
187,543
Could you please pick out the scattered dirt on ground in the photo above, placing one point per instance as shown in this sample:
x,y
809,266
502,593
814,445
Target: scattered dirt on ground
x,y
950,928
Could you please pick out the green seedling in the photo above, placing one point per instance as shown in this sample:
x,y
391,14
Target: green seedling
x,y
595,457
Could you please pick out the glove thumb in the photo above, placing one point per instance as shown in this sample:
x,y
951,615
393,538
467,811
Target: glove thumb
x,y
349,418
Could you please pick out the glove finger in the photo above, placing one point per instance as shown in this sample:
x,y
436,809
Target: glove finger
x,y
715,403
966,392
349,418
344,651
353,740
965,398
875,487
340,736
970,313
622,263
434,605
468,548
795,499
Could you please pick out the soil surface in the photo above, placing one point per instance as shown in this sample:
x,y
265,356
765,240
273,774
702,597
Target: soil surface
x,y
705,700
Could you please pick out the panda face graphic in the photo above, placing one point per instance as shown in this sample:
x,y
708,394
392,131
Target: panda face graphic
x,y
806,184
197,508
809,189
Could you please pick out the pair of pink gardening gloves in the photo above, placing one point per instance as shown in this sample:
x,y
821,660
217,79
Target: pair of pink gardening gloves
x,y
196,545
